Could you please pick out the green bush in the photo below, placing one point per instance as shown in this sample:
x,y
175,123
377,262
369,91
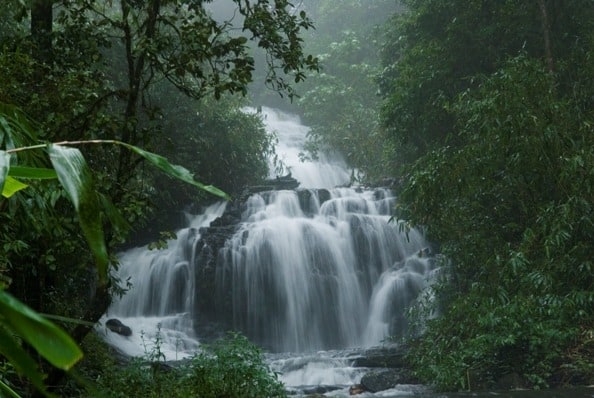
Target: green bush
x,y
230,367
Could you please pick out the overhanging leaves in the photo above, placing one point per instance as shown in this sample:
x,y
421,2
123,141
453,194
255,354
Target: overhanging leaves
x,y
176,171
12,186
75,177
35,173
4,166
11,349
49,340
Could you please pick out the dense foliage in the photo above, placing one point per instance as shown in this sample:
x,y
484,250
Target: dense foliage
x,y
229,367
340,104
489,108
95,70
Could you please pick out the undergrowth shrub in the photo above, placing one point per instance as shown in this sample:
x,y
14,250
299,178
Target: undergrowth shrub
x,y
230,367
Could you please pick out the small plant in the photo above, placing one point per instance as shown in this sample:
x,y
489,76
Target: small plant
x,y
232,367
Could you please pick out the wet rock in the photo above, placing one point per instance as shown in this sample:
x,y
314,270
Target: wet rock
x,y
116,326
381,357
314,391
511,381
356,389
274,184
379,380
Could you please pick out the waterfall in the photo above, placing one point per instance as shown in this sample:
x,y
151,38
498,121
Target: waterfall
x,y
301,277
316,268
328,171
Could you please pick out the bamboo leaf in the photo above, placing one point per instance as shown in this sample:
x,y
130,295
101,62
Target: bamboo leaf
x,y
24,364
75,177
16,130
34,173
4,167
12,186
50,341
176,171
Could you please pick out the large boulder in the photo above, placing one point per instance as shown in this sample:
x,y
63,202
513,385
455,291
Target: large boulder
x,y
379,380
381,357
116,326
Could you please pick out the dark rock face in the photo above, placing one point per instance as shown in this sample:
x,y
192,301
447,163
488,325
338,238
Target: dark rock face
x,y
385,379
275,184
313,391
116,326
388,357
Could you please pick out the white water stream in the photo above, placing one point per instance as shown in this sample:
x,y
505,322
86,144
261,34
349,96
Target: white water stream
x,y
311,275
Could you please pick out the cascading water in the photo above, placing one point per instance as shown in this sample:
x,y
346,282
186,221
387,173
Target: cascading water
x,y
301,275
316,268
159,302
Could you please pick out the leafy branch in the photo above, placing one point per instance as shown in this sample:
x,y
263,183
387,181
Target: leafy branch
x,y
18,321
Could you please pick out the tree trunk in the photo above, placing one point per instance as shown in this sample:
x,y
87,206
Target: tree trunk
x,y
546,32
136,75
41,29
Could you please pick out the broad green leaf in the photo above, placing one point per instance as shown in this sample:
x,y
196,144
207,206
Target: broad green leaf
x,y
176,171
75,177
25,365
66,319
34,173
4,166
51,342
12,186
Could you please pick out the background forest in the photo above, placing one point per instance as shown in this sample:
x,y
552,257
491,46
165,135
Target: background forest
x,y
478,112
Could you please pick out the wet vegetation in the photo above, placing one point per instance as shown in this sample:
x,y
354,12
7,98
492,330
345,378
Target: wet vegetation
x,y
479,112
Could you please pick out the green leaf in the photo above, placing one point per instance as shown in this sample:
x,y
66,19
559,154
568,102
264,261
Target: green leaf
x,y
50,341
22,361
12,186
34,173
176,171
4,167
75,177
16,130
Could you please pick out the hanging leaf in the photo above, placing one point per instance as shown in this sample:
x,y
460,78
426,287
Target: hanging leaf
x,y
16,130
12,186
4,166
34,173
11,349
50,341
176,171
75,177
